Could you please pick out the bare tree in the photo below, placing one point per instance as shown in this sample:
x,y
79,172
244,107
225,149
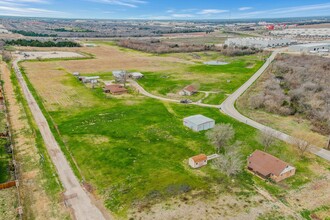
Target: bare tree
x,y
299,142
230,163
6,56
267,139
328,147
220,135
124,77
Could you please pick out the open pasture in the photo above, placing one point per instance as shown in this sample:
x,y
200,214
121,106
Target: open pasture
x,y
133,150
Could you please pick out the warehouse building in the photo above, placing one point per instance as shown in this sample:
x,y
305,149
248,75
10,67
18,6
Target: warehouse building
x,y
198,122
259,42
310,48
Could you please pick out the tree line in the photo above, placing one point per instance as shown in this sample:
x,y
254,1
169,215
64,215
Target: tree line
x,y
298,85
33,34
159,47
37,43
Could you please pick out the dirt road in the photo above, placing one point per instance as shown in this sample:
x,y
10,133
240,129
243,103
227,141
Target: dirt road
x,y
82,204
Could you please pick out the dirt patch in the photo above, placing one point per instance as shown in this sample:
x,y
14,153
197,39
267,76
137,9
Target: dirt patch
x,y
224,207
8,201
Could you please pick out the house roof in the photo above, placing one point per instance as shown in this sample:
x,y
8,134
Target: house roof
x,y
198,119
199,158
136,74
114,88
190,88
266,164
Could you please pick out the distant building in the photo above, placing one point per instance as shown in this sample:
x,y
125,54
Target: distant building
x,y
89,45
89,79
119,74
258,42
215,63
136,75
268,166
76,74
304,32
188,90
198,122
311,48
198,161
115,89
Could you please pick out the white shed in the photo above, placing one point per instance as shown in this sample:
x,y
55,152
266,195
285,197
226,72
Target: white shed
x,y
198,161
198,122
136,75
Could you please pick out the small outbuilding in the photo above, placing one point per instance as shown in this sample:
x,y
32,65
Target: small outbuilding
x,y
90,79
136,75
115,89
269,167
76,74
188,91
198,122
198,161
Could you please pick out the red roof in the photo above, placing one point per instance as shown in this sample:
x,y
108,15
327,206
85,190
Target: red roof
x,y
115,88
266,164
190,88
199,158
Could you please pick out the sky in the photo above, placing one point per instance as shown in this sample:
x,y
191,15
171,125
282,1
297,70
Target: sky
x,y
165,9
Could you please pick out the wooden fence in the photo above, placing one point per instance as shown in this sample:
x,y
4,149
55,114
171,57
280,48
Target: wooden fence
x,y
7,185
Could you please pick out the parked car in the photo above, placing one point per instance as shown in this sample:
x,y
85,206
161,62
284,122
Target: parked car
x,y
186,101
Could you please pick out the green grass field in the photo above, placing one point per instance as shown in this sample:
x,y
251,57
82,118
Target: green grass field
x,y
223,79
134,149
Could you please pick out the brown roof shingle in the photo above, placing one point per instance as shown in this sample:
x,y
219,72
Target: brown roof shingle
x,y
266,164
115,88
199,158
190,88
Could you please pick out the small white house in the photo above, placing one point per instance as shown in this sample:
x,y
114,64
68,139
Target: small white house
x,y
188,91
136,75
198,161
198,122
76,74
90,79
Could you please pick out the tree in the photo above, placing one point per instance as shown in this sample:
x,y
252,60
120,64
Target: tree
x,y
6,56
220,135
230,162
267,139
299,142
124,77
328,147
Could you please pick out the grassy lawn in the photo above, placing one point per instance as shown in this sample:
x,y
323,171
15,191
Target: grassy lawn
x,y
223,79
4,162
134,149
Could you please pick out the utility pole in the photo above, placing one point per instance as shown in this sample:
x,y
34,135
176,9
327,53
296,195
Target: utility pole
x,y
328,147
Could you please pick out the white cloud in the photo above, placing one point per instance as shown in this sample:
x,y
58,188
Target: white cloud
x,y
182,15
127,3
244,8
211,11
170,11
288,11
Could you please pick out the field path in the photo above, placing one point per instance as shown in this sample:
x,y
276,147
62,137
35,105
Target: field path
x,y
144,92
82,204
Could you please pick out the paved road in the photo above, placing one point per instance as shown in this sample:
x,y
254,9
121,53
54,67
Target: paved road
x,y
81,203
228,107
